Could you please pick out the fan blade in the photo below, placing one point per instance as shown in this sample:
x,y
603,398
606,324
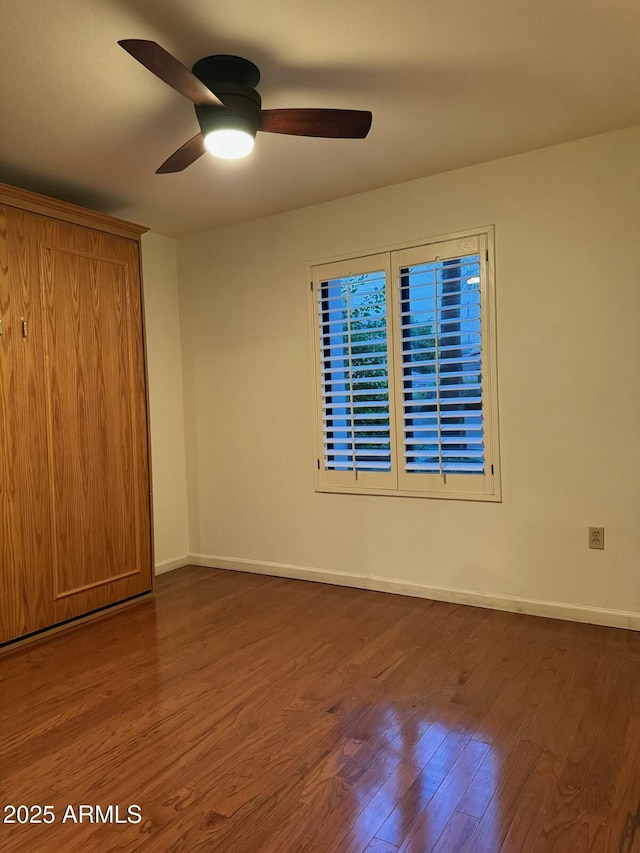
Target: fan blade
x,y
336,124
184,156
167,68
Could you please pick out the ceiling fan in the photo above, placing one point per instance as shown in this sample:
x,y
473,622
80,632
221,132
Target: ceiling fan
x,y
229,109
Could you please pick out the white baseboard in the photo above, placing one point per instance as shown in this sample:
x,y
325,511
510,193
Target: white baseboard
x,y
170,565
533,607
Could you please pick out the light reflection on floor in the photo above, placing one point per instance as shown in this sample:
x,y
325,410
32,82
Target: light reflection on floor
x,y
424,779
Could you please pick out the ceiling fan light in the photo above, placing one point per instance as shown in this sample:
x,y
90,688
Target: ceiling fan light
x,y
229,143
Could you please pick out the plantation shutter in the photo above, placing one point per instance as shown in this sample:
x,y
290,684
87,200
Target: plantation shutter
x,y
438,292
405,371
355,373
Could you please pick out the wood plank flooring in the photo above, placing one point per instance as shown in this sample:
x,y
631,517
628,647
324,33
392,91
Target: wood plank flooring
x,y
249,714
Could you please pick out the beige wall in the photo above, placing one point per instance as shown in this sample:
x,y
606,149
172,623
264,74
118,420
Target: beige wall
x,y
165,399
567,224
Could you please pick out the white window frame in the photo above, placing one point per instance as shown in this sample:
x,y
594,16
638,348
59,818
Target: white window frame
x,y
398,482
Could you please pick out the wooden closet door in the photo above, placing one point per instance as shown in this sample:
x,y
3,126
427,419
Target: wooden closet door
x,y
8,599
11,592
26,582
75,517
95,398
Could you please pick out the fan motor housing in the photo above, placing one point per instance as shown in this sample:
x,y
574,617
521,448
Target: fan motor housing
x,y
233,80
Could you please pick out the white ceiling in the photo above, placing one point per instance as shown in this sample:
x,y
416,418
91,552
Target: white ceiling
x,y
449,82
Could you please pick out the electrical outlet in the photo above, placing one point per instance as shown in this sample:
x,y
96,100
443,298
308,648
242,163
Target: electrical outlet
x,y
596,538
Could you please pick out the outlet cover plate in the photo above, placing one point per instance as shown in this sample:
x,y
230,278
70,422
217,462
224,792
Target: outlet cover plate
x,y
596,538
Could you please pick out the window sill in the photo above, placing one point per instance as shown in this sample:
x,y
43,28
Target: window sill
x,y
440,495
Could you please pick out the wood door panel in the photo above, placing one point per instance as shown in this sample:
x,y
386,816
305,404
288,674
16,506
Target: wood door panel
x,y
75,530
92,467
75,517
11,593
25,521
96,414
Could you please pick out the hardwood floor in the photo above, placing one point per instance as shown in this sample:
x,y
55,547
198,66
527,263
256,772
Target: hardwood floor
x,y
248,714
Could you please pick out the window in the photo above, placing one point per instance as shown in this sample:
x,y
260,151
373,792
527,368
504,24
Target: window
x,y
405,371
